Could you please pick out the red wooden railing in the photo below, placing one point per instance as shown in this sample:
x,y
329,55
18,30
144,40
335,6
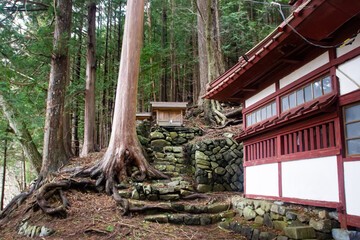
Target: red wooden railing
x,y
262,149
312,138
321,136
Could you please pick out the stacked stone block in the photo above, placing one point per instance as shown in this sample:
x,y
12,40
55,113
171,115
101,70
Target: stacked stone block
x,y
295,222
217,164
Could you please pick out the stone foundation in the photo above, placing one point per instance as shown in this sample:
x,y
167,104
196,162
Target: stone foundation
x,y
293,221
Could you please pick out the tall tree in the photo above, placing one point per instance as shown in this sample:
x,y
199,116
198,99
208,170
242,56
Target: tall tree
x,y
164,80
54,155
215,64
124,148
3,175
89,128
18,126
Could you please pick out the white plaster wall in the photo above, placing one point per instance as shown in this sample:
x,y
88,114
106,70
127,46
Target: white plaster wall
x,y
260,95
350,81
343,50
263,180
311,179
352,188
307,68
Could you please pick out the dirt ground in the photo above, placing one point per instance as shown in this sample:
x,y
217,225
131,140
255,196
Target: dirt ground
x,y
95,216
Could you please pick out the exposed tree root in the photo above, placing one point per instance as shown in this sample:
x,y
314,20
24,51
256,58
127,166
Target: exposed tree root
x,y
229,123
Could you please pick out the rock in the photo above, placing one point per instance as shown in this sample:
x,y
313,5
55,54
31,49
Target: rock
x,y
265,206
334,215
143,140
228,135
323,214
202,162
267,220
200,156
227,214
218,187
158,144
160,218
216,150
215,218
176,218
259,220
225,225
236,227
152,197
303,217
282,238
302,232
229,142
260,212
247,232
156,135
185,193
249,214
173,183
192,220
239,186
124,194
280,225
228,157
218,207
203,188
177,149
22,228
323,236
267,236
169,197
275,216
341,234
321,225
220,170
206,167
173,135
135,195
214,165
256,234
44,232
205,220
291,215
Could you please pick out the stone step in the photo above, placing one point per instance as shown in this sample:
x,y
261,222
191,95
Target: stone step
x,y
190,219
189,208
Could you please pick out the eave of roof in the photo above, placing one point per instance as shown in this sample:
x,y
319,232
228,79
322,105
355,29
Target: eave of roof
x,y
241,75
168,105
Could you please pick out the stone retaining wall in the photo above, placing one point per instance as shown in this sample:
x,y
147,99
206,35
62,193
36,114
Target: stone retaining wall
x,y
294,221
217,164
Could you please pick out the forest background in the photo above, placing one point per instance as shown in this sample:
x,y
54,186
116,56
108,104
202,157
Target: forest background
x,y
170,67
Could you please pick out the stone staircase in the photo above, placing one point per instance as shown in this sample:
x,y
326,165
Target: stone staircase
x,y
170,161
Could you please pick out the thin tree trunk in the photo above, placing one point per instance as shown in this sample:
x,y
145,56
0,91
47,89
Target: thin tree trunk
x,y
89,118
24,169
173,86
67,119
21,132
3,175
54,155
195,65
163,85
203,61
148,9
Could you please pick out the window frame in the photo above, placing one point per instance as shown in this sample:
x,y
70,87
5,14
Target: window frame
x,y
311,84
255,111
345,132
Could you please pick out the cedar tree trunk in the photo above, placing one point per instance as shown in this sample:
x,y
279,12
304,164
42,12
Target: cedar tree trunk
x,y
124,148
89,128
54,155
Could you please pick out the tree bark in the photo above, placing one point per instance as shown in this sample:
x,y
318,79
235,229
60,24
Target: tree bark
x,y
215,62
163,85
203,64
67,119
124,149
89,125
195,65
54,155
21,132
3,175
